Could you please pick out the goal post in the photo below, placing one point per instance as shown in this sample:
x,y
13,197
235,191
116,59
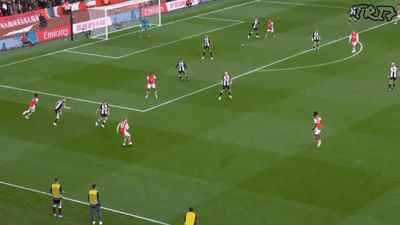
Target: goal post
x,y
122,16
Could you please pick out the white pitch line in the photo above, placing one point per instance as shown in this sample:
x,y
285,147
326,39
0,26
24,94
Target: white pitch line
x,y
83,203
91,54
216,84
197,91
189,94
122,35
29,59
220,19
178,40
303,4
178,21
259,68
316,65
68,97
160,45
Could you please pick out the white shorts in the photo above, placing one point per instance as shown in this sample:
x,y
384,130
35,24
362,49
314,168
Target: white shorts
x,y
270,30
398,16
31,110
354,43
151,86
317,131
127,134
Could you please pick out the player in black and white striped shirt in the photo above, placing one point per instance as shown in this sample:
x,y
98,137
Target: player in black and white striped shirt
x,y
207,46
352,14
182,67
104,110
254,27
392,76
60,105
226,83
316,38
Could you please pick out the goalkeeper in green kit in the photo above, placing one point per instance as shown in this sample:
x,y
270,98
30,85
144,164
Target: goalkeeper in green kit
x,y
144,26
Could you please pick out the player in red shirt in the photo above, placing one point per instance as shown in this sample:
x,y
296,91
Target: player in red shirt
x,y
32,106
270,28
122,129
354,39
151,84
25,41
317,128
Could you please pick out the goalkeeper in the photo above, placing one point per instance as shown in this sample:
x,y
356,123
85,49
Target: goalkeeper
x,y
144,26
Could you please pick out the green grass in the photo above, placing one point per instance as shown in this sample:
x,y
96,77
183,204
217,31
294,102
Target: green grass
x,y
250,160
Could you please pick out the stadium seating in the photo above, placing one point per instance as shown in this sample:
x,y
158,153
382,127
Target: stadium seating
x,y
11,7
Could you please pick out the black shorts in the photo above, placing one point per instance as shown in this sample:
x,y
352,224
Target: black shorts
x,y
58,113
103,115
254,28
316,40
352,16
226,87
207,47
56,201
393,78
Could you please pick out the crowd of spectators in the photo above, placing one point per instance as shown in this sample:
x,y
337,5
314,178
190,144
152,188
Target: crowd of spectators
x,y
10,7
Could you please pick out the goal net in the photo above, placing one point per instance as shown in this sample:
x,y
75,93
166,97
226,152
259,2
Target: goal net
x,y
122,16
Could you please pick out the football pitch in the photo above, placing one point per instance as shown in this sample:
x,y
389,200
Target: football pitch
x,y
247,160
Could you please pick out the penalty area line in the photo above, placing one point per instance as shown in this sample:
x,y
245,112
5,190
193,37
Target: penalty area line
x,y
178,40
220,19
91,54
68,97
235,22
83,203
316,65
